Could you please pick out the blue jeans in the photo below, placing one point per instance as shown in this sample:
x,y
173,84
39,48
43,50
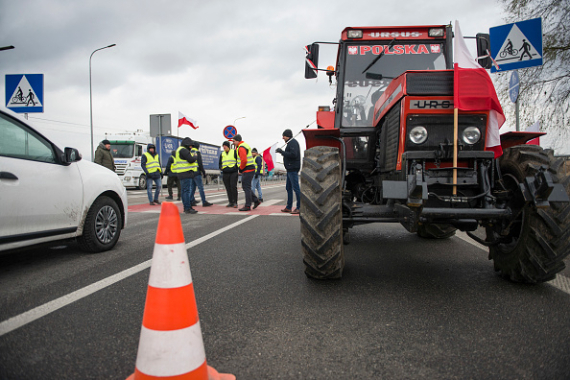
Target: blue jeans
x,y
256,185
197,181
291,186
186,185
149,182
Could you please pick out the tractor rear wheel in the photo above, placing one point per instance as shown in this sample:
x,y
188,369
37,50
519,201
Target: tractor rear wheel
x,y
534,243
321,214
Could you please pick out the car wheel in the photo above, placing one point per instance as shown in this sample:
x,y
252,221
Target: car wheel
x,y
102,226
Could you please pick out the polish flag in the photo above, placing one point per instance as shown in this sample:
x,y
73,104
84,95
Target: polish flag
x,y
185,120
270,157
474,91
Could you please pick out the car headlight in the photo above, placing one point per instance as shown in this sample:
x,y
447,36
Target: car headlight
x,y
418,134
471,135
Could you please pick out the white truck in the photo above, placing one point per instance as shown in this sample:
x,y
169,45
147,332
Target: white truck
x,y
127,150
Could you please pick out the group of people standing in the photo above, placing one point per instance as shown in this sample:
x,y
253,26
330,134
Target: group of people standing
x,y
185,170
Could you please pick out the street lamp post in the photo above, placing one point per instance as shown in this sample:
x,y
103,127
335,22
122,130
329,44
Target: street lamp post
x,y
91,99
234,124
6,47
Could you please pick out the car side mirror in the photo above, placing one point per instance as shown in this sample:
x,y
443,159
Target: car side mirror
x,y
312,57
484,50
71,155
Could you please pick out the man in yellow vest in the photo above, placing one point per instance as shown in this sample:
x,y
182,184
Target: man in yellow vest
x,y
259,169
229,167
185,166
247,170
151,166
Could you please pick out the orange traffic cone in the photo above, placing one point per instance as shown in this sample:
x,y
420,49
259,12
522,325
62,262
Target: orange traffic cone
x,y
171,345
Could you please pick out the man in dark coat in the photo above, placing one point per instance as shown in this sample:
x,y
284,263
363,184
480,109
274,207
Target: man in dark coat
x,y
197,180
292,162
186,172
150,163
103,155
172,178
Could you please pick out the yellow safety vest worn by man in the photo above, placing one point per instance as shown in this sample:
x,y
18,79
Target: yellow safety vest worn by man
x,y
247,169
151,166
185,166
228,164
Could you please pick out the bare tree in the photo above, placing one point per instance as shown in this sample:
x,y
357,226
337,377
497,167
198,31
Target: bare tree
x,y
545,90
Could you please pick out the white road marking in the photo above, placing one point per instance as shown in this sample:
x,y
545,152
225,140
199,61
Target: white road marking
x,y
270,202
561,282
23,319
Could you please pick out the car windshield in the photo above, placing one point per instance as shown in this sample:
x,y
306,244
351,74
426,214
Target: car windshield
x,y
122,150
360,93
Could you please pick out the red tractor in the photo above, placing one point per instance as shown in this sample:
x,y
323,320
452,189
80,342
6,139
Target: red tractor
x,y
391,151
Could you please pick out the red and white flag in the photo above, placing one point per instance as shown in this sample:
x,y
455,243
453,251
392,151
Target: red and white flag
x,y
185,120
474,91
270,156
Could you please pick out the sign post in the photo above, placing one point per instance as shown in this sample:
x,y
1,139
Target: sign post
x,y
514,85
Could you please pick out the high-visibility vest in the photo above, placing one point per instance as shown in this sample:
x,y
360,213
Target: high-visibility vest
x,y
180,166
229,159
262,165
249,156
152,164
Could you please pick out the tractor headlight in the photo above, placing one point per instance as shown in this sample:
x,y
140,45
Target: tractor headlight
x,y
418,134
471,135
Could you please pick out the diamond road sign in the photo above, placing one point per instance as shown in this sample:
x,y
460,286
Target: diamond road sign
x,y
516,46
25,92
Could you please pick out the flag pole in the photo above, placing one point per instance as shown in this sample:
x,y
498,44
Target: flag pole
x,y
455,136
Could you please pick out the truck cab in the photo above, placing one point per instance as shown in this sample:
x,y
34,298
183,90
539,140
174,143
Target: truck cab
x,y
127,155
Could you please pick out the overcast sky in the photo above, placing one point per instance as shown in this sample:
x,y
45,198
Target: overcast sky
x,y
214,61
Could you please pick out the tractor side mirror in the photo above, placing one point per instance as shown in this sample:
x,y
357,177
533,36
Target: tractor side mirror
x,y
484,49
312,61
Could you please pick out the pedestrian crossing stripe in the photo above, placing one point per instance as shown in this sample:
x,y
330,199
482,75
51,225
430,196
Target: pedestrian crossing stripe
x,y
24,93
517,47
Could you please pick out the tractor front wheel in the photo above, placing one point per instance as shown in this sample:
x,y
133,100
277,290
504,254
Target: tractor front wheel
x,y
321,214
534,243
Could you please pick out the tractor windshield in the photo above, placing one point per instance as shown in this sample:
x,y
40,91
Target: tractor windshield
x,y
360,93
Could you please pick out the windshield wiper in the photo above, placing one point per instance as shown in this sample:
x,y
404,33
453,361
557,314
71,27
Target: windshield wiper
x,y
379,56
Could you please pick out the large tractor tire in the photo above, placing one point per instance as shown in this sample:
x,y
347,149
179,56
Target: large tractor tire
x,y
536,241
436,231
321,213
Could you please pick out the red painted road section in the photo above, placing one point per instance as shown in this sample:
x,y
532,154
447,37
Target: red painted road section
x,y
215,209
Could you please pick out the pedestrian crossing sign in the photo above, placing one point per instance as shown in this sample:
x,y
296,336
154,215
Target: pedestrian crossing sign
x,y
25,92
516,46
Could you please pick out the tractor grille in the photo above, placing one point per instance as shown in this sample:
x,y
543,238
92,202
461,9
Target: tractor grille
x,y
436,83
389,138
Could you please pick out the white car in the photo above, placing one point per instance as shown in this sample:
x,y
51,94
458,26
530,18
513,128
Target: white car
x,y
47,194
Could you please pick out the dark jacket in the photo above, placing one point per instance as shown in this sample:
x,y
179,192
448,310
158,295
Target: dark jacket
x,y
292,156
155,175
168,170
186,155
104,157
259,161
201,170
229,170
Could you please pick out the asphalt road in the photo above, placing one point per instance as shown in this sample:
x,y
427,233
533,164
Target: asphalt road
x,y
407,308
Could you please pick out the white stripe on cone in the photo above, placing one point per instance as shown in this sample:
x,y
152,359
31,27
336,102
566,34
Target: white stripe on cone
x,y
170,267
170,353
